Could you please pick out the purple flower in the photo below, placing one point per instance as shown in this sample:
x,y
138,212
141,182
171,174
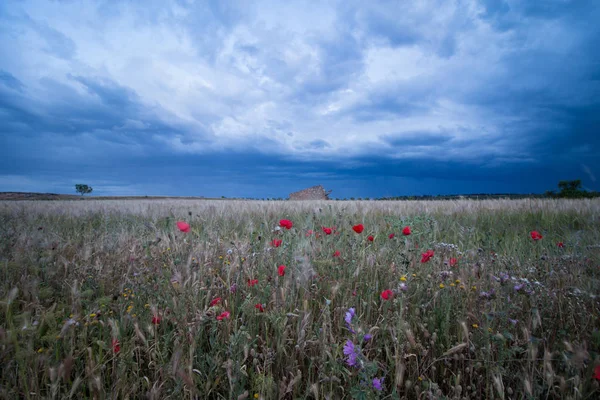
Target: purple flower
x,y
351,353
348,347
352,360
403,287
349,315
368,337
513,321
519,287
233,288
377,383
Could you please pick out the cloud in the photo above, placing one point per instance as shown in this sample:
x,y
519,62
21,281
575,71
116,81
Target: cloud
x,y
466,92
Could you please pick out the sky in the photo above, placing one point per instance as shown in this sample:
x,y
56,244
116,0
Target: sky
x,y
262,98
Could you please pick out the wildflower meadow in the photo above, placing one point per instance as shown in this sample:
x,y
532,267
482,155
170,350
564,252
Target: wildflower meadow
x,y
232,299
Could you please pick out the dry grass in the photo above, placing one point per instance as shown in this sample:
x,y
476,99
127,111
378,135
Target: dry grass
x,y
514,318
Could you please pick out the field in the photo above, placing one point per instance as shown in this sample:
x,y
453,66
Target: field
x,y
483,299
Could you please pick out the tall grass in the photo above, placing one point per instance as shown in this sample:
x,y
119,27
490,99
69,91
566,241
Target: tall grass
x,y
108,299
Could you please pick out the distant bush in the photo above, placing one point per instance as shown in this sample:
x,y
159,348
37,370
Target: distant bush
x,y
571,190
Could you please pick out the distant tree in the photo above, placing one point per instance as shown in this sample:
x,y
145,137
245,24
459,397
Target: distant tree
x,y
83,189
570,190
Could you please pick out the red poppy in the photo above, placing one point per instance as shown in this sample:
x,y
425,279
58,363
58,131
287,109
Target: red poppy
x,y
426,256
276,242
183,226
223,315
336,253
215,301
391,236
370,238
535,235
453,262
358,228
155,320
560,244
286,223
406,231
327,230
252,282
281,270
597,373
309,232
116,346
387,294
259,307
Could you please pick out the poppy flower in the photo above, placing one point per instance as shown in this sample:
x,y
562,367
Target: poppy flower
x,y
276,242
223,315
370,238
252,282
387,294
453,262
155,320
281,270
183,226
535,235
327,230
426,256
116,346
215,301
336,253
358,228
259,307
560,244
597,373
391,236
406,231
309,232
286,223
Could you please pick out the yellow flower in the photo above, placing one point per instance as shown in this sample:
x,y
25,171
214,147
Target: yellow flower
x,y
256,396
420,378
403,279
220,257
41,349
442,286
146,305
452,284
414,275
457,281
473,287
490,330
475,326
134,315
462,287
93,315
129,308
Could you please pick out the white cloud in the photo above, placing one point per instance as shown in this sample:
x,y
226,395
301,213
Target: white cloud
x,y
257,74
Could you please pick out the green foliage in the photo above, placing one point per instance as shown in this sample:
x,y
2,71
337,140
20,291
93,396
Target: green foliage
x,y
83,189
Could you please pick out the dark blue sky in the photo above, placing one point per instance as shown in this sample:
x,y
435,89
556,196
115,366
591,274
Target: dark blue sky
x,y
259,99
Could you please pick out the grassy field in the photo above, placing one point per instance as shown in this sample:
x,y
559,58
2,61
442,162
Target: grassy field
x,y
110,299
